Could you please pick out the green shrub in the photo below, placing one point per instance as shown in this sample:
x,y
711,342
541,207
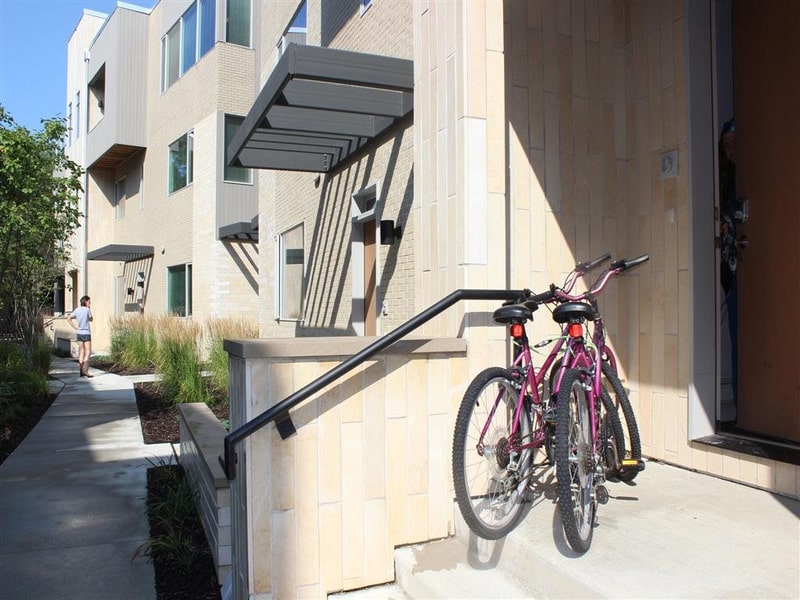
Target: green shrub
x,y
134,342
217,331
179,364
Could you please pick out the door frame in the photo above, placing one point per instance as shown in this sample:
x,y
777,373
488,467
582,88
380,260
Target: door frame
x,y
703,389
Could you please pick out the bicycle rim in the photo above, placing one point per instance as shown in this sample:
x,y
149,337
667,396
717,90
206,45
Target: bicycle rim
x,y
489,470
575,463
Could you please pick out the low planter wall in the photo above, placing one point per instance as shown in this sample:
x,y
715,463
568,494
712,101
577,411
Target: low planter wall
x,y
202,438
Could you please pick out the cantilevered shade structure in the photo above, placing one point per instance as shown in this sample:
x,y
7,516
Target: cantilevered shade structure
x,y
319,106
244,231
123,252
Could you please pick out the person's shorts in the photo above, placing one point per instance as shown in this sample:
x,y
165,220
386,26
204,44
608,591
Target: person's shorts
x,y
84,337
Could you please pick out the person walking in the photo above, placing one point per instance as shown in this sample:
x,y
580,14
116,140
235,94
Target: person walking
x,y
80,319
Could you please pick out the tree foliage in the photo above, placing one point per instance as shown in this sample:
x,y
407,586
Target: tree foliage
x,y
39,193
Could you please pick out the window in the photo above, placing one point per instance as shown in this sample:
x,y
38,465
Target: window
x,y
119,199
179,290
170,57
296,32
187,41
189,50
234,174
181,159
237,27
290,277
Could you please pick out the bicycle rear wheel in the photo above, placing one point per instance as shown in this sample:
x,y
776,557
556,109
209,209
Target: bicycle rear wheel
x,y
490,470
574,462
633,445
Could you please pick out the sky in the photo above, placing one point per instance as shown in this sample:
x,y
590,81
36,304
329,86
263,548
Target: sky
x,y
33,54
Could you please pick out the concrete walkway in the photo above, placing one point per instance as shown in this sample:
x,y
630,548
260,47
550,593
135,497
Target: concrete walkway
x,y
72,496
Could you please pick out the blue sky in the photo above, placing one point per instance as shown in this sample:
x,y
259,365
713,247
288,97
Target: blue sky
x,y
33,54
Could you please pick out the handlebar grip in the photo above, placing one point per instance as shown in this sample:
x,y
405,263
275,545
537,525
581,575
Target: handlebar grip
x,y
542,298
625,264
587,266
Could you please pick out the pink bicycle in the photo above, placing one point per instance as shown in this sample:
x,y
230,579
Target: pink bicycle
x,y
507,415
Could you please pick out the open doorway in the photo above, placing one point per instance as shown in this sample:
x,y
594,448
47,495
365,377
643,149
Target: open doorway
x,y
757,94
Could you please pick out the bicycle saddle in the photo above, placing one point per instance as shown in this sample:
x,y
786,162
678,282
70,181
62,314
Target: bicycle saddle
x,y
573,310
513,313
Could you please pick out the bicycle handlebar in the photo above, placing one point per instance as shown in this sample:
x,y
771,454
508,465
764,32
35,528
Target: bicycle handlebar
x,y
556,294
589,265
624,264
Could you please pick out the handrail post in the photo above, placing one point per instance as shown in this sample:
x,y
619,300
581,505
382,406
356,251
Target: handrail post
x,y
281,410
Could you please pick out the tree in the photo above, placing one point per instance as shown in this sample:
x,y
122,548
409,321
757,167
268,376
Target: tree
x,y
39,193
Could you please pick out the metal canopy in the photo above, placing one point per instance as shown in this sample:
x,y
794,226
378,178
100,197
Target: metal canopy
x,y
123,252
244,231
319,106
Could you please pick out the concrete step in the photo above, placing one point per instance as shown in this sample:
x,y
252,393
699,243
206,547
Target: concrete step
x,y
672,533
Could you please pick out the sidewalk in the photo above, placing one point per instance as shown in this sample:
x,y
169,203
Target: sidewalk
x,y
72,499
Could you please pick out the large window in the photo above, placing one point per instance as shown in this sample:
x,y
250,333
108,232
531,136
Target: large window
x,y
237,30
179,290
187,41
290,279
181,159
234,174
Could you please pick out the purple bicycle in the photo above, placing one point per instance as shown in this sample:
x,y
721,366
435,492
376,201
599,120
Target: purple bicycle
x,y
508,415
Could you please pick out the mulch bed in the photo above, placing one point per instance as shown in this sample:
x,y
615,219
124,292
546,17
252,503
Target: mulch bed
x,y
173,581
16,428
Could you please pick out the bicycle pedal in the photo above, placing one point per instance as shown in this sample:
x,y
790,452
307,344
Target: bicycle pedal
x,y
602,494
632,464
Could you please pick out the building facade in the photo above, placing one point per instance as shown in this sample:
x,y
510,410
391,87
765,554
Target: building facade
x,y
403,150
168,229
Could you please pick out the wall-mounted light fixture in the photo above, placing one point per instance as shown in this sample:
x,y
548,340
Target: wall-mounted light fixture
x,y
130,291
389,233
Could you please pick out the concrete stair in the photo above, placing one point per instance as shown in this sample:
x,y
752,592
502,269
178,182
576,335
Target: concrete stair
x,y
672,533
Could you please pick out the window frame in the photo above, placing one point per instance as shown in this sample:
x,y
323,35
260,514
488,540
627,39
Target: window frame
x,y
203,13
173,270
281,286
226,170
189,161
249,24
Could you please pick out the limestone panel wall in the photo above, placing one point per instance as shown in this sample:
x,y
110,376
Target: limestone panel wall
x,y
367,470
595,95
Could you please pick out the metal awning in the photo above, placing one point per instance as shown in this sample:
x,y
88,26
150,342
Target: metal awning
x,y
244,231
123,252
319,106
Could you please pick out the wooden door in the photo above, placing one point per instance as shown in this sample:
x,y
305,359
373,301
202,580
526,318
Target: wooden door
x,y
766,64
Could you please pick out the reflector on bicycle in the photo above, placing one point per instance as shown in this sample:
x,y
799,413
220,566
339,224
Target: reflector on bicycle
x,y
575,330
517,330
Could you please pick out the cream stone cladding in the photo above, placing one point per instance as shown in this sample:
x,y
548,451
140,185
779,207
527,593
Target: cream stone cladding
x,y
592,93
324,207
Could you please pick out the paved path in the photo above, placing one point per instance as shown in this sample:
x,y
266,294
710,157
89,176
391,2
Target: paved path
x,y
72,497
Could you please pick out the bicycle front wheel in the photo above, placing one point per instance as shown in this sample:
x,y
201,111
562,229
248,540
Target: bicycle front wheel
x,y
490,469
575,462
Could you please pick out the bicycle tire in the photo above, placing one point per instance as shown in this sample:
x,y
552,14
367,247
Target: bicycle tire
x,y
613,436
574,465
624,403
489,491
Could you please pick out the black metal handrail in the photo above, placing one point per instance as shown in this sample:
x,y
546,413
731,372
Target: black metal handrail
x,y
280,411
